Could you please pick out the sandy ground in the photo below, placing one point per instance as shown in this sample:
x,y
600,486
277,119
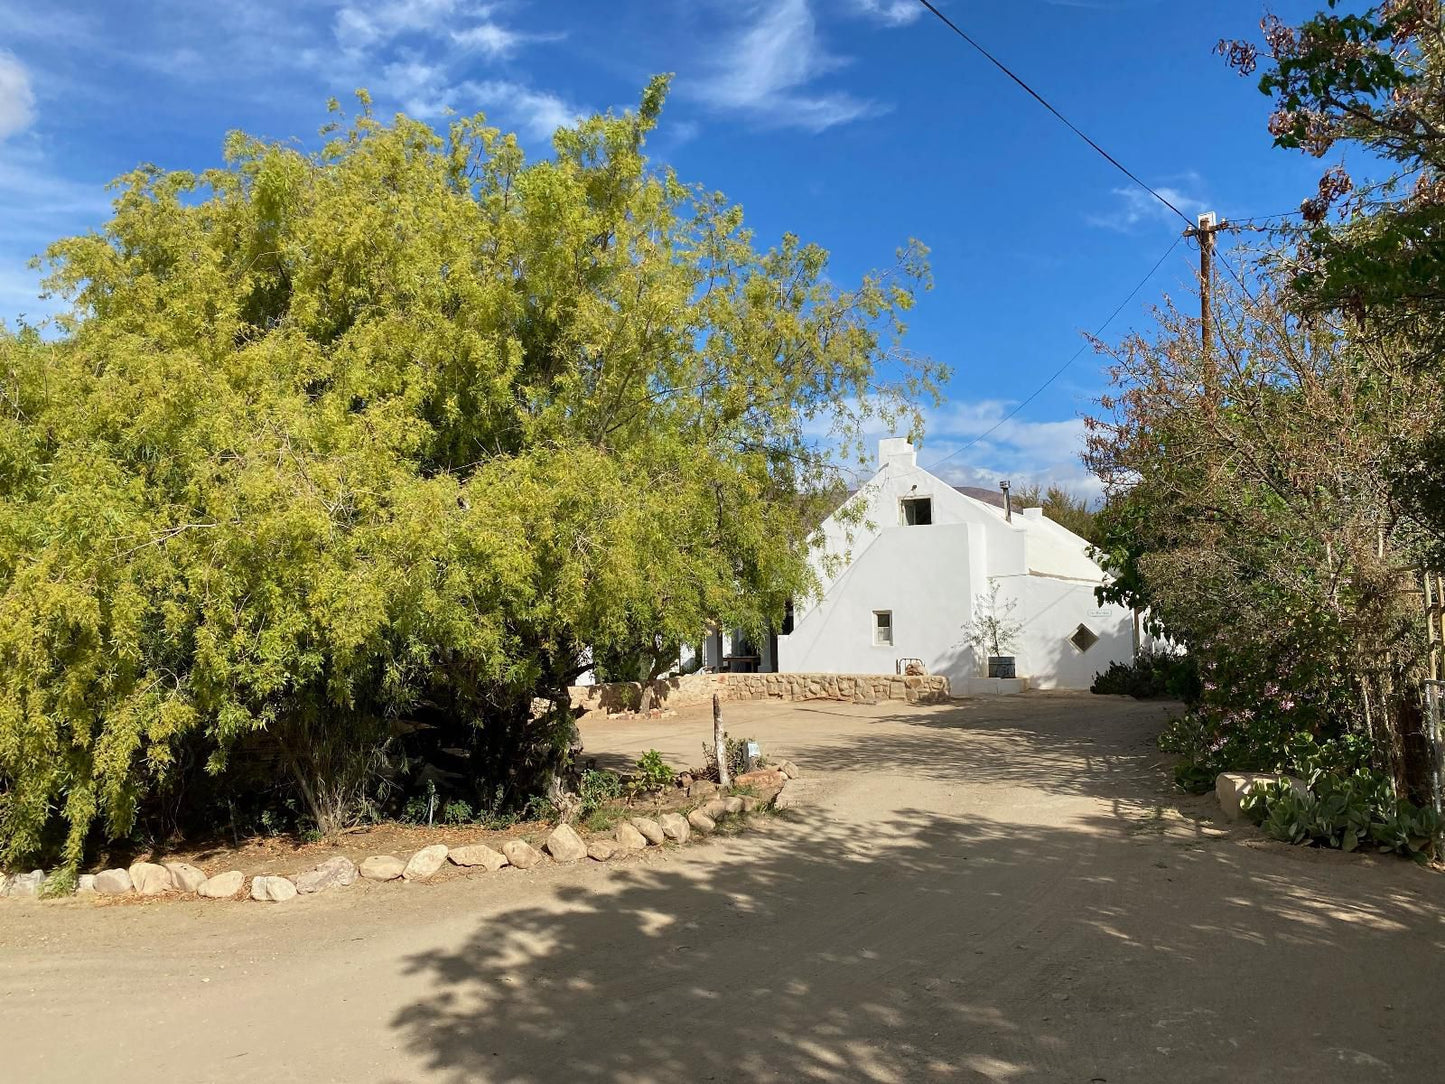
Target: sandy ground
x,y
1002,889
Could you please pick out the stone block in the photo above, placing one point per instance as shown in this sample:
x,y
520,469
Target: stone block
x,y
1232,787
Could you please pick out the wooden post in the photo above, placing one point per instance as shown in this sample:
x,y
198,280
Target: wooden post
x,y
719,742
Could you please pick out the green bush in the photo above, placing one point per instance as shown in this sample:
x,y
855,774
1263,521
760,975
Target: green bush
x,y
652,773
1153,675
1345,811
597,789
457,812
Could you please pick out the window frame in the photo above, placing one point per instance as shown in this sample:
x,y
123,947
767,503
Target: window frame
x,y
1094,638
879,627
915,499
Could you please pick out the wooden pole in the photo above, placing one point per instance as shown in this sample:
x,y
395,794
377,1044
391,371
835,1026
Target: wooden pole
x,y
719,742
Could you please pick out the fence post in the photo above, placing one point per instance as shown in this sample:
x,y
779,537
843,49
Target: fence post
x,y
719,742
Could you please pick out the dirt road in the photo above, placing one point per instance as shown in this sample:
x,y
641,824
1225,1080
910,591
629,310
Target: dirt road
x,y
998,890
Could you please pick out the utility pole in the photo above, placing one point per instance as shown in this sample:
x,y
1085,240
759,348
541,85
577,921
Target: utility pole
x,y
1207,226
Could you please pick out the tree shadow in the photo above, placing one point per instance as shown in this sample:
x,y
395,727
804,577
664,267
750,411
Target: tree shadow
x,y
938,948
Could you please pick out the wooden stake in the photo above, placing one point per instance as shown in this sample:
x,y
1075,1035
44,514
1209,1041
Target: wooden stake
x,y
719,742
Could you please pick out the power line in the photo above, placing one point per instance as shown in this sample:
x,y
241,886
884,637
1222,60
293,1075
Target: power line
x,y
1001,66
1075,357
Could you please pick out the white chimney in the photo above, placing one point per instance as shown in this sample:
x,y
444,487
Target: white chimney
x,y
896,451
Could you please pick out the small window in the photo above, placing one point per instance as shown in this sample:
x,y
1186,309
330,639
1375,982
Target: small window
x,y
883,628
917,511
1084,638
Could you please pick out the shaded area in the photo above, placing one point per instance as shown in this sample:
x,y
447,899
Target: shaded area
x,y
949,948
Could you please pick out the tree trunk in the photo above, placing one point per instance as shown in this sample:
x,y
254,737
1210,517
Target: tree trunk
x,y
720,743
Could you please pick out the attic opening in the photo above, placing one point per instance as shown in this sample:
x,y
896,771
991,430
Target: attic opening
x,y
1084,638
917,511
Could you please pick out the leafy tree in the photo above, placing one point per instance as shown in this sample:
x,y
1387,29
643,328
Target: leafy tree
x,y
1060,505
1253,511
993,629
390,437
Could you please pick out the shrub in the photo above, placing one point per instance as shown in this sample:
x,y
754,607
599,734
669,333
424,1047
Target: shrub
x,y
737,754
597,789
653,773
1345,811
457,812
1153,675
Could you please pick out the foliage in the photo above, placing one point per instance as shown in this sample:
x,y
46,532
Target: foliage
x,y
993,629
1253,515
597,789
386,438
421,808
1152,675
1066,509
737,754
652,773
1345,811
458,811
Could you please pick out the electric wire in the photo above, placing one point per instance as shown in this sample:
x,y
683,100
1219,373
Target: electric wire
x,y
1001,66
1073,358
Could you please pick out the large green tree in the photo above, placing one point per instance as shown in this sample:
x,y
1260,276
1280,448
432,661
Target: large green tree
x,y
398,434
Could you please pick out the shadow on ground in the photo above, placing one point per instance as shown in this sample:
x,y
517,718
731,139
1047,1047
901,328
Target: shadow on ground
x,y
945,948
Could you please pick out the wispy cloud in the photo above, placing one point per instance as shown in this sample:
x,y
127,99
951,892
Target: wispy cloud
x,y
890,12
1134,207
960,448
17,99
765,68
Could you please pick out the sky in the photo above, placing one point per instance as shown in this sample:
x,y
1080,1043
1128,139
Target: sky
x,y
856,124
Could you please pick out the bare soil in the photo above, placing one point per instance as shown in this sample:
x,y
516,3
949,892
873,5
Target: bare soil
x,y
999,889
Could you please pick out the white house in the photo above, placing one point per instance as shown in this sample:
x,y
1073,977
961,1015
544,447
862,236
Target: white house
x,y
907,579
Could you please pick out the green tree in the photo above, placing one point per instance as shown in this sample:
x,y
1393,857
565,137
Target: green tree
x,y
396,434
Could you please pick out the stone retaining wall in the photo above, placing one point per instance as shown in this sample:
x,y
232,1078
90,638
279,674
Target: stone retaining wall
x,y
699,689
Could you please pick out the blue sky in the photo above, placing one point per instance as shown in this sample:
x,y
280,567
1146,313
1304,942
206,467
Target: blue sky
x,y
854,123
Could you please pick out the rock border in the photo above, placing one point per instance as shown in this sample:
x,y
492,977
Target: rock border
x,y
563,846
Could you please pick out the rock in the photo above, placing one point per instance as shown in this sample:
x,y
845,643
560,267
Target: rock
x,y
565,845
793,795
113,882
272,889
650,829
701,788
223,886
26,885
701,821
716,809
732,804
150,878
382,867
425,863
674,827
762,779
337,872
85,886
751,804
629,838
603,850
788,769
1231,787
522,854
184,876
477,854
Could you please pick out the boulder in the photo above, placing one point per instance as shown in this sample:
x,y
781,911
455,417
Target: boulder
x,y
650,829
674,826
382,867
701,788
790,797
1231,787
150,878
424,864
113,882
85,886
700,821
603,850
565,845
751,804
477,854
272,889
732,804
26,885
716,809
629,838
223,886
789,769
522,854
337,872
762,779
186,877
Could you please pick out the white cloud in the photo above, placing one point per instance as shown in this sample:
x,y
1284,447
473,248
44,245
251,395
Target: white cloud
x,y
17,100
769,61
360,27
891,12
1135,206
536,113
960,448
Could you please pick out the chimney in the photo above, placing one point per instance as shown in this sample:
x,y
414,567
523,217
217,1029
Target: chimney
x,y
896,450
1008,502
